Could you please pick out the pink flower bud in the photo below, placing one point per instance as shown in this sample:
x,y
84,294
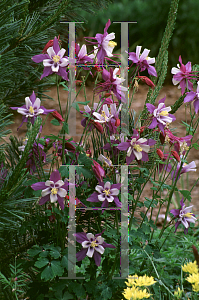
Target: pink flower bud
x,y
160,154
148,81
98,170
175,154
49,44
117,122
58,117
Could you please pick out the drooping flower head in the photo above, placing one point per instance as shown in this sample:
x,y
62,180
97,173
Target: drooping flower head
x,y
52,190
54,61
81,55
160,115
106,193
180,144
143,61
184,216
182,75
193,96
136,147
31,109
112,83
185,168
92,124
92,246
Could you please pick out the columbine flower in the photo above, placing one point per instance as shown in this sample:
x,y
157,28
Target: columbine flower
x,y
136,148
160,115
81,55
182,75
98,170
105,115
112,83
143,61
52,190
184,216
193,96
106,193
191,267
115,121
185,168
31,109
92,124
54,61
180,144
92,246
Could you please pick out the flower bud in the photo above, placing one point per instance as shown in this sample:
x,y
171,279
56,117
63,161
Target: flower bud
x,y
57,116
160,154
175,154
98,170
146,80
117,122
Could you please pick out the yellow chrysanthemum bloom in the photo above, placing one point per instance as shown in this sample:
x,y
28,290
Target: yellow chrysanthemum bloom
x,y
140,280
190,267
135,294
193,278
195,287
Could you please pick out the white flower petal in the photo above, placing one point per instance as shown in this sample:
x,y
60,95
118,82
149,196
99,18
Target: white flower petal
x,y
55,68
138,155
90,236
45,192
28,102
51,52
90,252
99,189
100,239
62,192
101,197
99,249
47,62
64,62
37,103
61,52
114,191
53,198
107,185
22,111
109,198
85,244
175,70
49,182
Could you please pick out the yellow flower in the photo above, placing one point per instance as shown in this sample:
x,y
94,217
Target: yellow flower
x,y
195,287
190,267
193,278
140,280
135,294
178,293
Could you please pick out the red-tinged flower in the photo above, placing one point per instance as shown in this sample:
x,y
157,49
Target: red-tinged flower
x,y
88,153
49,44
146,80
176,155
117,122
98,170
180,144
97,125
58,117
142,129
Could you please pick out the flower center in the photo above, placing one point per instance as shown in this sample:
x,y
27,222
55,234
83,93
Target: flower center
x,y
137,148
183,147
164,113
112,44
103,115
94,244
107,192
188,215
31,110
56,58
54,191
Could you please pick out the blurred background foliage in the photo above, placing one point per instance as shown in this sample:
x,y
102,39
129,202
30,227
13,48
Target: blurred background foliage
x,y
151,17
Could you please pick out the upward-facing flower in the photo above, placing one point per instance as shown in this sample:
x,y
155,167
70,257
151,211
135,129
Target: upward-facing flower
x,y
184,216
31,109
143,61
193,96
160,114
106,193
54,61
112,83
105,115
136,148
182,75
92,246
52,190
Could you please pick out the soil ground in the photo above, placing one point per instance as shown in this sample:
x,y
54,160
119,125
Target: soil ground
x,y
172,93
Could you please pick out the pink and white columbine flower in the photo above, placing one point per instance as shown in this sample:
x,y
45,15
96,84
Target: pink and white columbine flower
x,y
105,115
184,215
112,83
182,75
54,61
185,168
106,193
92,246
31,109
143,61
136,148
160,115
52,190
193,96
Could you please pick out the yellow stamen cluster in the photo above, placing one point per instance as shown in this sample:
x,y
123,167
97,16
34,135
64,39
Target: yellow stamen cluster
x,y
107,192
112,44
94,244
56,58
137,148
104,115
164,113
183,147
31,110
54,191
188,215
